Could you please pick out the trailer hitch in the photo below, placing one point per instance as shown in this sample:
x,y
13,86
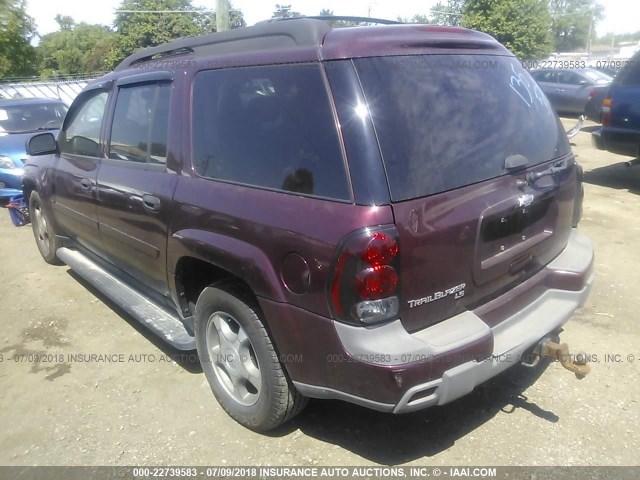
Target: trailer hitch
x,y
550,348
576,364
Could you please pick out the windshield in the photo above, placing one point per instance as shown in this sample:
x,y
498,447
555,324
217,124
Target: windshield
x,y
31,117
445,121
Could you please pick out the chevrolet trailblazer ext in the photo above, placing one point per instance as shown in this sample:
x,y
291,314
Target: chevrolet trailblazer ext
x,y
372,214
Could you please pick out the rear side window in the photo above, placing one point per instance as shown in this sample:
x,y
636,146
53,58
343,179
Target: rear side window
x,y
269,127
569,78
445,121
140,122
548,77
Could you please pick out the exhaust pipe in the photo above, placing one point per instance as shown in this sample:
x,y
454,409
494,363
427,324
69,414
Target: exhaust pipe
x,y
550,348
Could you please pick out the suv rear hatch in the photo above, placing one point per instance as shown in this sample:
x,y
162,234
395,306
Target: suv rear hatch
x,y
482,179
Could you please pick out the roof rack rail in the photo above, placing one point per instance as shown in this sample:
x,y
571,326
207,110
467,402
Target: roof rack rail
x,y
307,31
342,18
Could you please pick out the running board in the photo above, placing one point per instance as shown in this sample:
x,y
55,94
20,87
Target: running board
x,y
151,315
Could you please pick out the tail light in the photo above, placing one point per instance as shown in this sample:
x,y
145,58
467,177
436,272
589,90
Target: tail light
x,y
605,116
364,282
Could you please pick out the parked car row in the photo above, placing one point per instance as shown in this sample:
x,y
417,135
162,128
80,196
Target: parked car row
x,y
574,91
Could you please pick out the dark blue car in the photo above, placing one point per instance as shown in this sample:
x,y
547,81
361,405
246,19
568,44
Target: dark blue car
x,y
620,131
19,120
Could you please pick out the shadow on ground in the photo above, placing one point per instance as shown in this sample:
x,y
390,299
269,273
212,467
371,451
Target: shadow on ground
x,y
186,359
617,176
386,438
395,439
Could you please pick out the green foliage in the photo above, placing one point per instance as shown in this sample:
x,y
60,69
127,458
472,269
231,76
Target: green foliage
x,y
570,23
523,26
74,49
617,39
17,56
65,22
325,12
415,19
449,13
141,30
284,11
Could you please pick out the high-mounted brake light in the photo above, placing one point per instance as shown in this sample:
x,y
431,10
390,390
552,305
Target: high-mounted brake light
x,y
364,282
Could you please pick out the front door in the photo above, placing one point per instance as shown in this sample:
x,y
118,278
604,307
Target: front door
x,y
74,199
134,187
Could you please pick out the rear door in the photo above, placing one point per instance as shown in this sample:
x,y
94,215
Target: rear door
x,y
135,187
467,144
548,82
575,91
74,198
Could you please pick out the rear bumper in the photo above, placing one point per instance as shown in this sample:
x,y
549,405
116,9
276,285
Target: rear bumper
x,y
622,141
388,369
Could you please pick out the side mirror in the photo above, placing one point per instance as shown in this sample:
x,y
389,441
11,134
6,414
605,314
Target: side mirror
x,y
584,82
42,144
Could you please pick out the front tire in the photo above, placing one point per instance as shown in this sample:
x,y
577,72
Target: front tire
x,y
43,232
240,361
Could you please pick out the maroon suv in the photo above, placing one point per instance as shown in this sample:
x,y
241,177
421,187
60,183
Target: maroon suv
x,y
384,215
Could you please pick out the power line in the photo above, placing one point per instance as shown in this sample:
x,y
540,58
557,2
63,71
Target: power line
x,y
202,12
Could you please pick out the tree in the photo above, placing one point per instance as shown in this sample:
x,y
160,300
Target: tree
x,y
65,22
571,21
284,11
142,29
449,14
415,19
523,26
80,48
17,55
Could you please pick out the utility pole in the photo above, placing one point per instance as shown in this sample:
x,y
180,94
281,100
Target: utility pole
x,y
222,15
593,19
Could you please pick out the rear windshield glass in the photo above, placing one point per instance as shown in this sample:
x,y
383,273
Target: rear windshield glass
x,y
445,121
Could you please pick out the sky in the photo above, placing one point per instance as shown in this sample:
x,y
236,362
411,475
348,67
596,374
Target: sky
x,y
621,16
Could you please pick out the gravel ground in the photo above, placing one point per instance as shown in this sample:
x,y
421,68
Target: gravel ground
x,y
144,408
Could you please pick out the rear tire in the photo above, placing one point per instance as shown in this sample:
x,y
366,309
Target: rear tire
x,y
43,232
240,361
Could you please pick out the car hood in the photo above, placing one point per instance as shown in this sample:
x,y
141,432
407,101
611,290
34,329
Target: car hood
x,y
13,145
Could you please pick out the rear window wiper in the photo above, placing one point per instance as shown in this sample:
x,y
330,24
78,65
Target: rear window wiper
x,y
558,167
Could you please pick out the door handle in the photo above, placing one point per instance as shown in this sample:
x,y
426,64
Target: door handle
x,y
86,184
151,203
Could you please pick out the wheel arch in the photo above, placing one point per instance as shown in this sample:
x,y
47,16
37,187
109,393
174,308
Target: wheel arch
x,y
198,259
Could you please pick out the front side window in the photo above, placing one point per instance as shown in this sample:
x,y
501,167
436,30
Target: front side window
x,y
140,124
269,127
81,134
